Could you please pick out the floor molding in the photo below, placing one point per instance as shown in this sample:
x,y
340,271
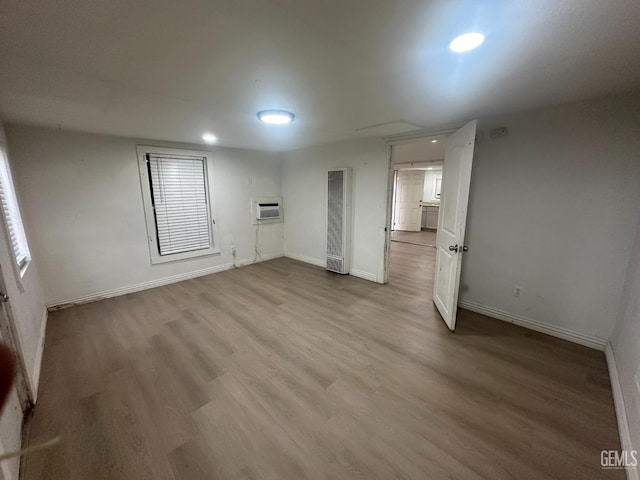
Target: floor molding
x,y
305,259
35,378
94,297
565,334
372,277
621,411
261,258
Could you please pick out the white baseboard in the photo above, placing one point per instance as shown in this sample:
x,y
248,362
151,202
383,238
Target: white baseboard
x,y
93,297
37,366
305,259
372,277
262,258
565,334
621,411
364,275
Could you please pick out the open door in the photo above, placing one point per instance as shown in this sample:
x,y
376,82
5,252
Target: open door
x,y
452,221
408,207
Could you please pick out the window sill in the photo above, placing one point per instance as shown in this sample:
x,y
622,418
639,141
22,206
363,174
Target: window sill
x,y
23,269
175,257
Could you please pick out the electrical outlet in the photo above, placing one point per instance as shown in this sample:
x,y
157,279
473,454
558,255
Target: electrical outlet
x,y
517,291
233,250
498,132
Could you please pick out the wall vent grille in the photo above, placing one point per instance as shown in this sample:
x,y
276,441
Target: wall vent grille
x,y
338,220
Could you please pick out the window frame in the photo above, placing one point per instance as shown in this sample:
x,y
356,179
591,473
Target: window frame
x,y
150,220
20,268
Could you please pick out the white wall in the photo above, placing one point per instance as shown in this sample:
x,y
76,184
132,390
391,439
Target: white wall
x,y
304,186
419,151
552,209
29,316
625,344
83,207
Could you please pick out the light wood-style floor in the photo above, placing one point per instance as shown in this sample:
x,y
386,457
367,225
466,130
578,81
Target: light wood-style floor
x,y
282,370
424,237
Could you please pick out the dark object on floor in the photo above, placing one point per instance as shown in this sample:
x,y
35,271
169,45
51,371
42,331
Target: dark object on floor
x,y
7,373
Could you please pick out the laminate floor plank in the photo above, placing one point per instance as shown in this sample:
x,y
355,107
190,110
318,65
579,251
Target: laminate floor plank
x,y
282,370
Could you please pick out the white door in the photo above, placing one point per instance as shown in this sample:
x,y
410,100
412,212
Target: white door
x,y
408,209
452,220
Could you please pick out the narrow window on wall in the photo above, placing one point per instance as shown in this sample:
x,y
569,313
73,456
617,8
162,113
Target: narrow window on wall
x,y
177,203
12,217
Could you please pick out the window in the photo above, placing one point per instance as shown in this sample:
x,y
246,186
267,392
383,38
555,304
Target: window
x,y
12,217
177,203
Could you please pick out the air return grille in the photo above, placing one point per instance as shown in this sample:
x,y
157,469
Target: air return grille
x,y
336,212
338,220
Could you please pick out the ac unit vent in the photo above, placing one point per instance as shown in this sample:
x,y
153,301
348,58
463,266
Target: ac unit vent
x,y
267,210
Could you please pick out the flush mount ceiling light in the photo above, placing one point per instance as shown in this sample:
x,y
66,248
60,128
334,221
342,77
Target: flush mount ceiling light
x,y
466,42
434,141
276,117
209,138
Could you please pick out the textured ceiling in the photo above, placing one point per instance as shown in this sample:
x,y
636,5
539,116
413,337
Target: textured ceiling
x,y
170,70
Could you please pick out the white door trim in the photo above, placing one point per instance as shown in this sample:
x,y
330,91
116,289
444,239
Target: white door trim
x,y
12,339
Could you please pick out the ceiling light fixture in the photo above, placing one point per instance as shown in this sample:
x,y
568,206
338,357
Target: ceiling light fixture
x,y
466,42
209,138
434,141
276,117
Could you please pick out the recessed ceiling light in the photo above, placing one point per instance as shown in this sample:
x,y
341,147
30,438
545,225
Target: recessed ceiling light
x,y
209,138
434,141
466,42
276,117
429,168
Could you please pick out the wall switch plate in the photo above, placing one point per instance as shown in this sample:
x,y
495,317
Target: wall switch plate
x,y
517,291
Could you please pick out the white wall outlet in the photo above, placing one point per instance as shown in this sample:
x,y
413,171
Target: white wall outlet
x,y
517,291
498,132
233,250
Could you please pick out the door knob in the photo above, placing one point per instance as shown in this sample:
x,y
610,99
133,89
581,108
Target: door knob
x,y
464,248
453,248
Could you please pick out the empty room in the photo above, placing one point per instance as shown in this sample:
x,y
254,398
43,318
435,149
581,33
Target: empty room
x,y
305,239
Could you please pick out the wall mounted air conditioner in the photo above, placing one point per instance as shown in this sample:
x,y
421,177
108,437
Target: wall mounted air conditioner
x,y
339,220
267,210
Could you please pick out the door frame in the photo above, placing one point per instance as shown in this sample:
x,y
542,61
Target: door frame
x,y
11,337
397,140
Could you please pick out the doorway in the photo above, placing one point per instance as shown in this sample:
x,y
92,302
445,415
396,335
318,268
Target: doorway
x,y
440,203
416,204
416,187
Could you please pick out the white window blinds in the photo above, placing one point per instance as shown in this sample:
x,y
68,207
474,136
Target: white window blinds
x,y
11,213
180,202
